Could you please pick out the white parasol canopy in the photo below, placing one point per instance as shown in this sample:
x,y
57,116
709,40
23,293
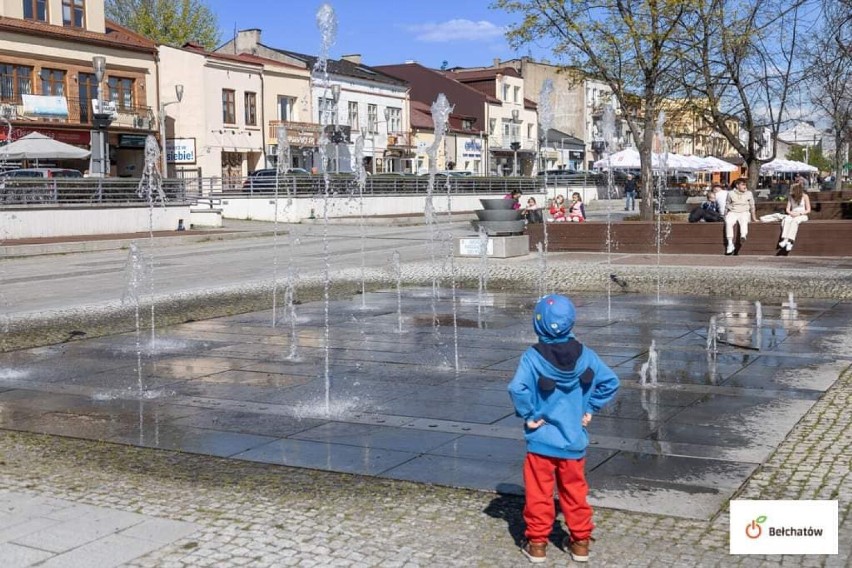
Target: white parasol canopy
x,y
779,166
629,158
37,146
714,164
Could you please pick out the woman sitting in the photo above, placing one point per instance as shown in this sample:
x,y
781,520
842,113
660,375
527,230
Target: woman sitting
x,y
798,207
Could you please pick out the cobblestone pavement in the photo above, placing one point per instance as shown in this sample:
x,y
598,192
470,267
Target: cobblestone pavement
x,y
260,515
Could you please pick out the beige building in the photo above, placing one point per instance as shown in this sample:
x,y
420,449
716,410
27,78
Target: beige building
x,y
217,128
48,82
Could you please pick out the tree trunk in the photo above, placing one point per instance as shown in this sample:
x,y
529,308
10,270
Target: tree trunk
x,y
646,206
753,172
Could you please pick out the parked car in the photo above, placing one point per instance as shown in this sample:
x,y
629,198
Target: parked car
x,y
265,178
43,173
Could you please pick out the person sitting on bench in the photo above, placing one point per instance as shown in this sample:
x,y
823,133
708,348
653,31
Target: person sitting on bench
x,y
708,211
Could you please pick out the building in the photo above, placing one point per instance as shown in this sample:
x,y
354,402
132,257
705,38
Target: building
x,y
216,130
466,144
48,82
369,103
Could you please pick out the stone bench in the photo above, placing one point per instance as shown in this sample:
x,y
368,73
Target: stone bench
x,y
816,238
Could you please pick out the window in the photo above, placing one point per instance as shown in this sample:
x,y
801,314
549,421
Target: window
x,y
229,106
251,109
467,124
492,126
505,92
530,131
52,82
373,119
121,92
15,80
286,107
74,13
87,90
325,111
353,114
35,10
517,94
394,119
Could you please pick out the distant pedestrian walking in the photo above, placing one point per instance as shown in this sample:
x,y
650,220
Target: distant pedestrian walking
x,y
630,192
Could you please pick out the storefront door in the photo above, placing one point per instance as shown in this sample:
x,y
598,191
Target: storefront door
x,y
232,170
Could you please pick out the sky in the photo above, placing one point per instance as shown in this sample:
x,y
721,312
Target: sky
x,y
463,33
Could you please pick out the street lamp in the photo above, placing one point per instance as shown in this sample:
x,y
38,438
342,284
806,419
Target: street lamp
x,y
164,164
516,145
99,163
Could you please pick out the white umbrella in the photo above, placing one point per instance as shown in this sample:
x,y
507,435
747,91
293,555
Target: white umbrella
x,y
779,166
37,146
714,164
629,159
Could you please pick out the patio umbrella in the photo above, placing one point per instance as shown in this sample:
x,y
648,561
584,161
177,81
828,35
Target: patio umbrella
x,y
37,146
714,164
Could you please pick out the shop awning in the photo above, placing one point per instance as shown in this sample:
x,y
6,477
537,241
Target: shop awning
x,y
231,141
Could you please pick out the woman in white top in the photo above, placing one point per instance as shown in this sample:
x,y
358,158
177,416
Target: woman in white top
x,y
798,207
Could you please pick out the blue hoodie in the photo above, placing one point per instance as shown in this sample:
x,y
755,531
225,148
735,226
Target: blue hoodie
x,y
559,380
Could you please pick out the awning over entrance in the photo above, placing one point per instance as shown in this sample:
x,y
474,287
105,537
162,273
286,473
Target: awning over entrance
x,y
232,141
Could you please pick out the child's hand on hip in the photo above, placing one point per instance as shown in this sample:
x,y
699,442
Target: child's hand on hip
x,y
535,424
586,419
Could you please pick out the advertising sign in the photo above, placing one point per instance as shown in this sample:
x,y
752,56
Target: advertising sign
x,y
46,106
180,150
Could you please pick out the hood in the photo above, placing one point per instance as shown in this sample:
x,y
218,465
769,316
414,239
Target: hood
x,y
557,365
553,319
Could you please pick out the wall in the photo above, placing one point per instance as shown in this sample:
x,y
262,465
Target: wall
x,y
263,208
59,222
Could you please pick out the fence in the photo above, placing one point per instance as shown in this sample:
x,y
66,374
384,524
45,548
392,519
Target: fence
x,y
111,191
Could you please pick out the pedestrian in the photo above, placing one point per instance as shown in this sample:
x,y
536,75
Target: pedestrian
x,y
558,385
576,211
739,208
515,196
630,194
798,208
557,209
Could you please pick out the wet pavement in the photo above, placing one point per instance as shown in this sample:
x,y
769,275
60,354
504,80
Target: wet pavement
x,y
393,405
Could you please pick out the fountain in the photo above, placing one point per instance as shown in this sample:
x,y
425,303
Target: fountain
x,y
483,269
648,375
282,164
758,313
712,336
134,274
661,228
361,179
547,116
504,226
608,129
151,189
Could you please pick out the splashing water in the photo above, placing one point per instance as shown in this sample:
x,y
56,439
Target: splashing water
x,y
483,268
151,190
648,372
712,336
327,24
396,262
134,271
661,228
758,313
791,301
361,178
542,270
608,131
282,164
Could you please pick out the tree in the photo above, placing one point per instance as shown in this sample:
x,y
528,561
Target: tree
x,y
169,22
812,155
631,45
830,75
742,62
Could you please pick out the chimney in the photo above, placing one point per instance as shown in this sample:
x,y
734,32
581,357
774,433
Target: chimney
x,y
410,61
496,62
353,58
247,40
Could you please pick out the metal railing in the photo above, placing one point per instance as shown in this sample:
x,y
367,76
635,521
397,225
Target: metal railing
x,y
135,117
102,192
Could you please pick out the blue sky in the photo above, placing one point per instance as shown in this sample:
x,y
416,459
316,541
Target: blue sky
x,y
462,32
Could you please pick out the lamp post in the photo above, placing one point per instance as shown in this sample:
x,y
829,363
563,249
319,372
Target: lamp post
x,y
164,164
335,137
516,145
99,162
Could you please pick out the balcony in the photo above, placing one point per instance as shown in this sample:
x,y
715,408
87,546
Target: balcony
x,y
134,117
505,143
298,133
399,140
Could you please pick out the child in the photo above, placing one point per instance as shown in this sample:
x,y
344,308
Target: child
x,y
532,213
557,209
557,387
739,208
576,211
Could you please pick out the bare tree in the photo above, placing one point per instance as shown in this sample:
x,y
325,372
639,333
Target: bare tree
x,y
631,45
829,57
743,62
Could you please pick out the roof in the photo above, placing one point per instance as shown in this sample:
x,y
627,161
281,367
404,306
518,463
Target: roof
x,y
482,74
421,118
201,50
116,36
426,84
344,67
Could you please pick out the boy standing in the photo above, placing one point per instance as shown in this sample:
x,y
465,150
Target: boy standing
x,y
557,387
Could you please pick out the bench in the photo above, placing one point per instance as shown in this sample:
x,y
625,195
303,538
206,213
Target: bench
x,y
816,238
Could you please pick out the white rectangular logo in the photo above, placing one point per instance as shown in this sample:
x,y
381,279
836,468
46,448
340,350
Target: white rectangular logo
x,y
783,527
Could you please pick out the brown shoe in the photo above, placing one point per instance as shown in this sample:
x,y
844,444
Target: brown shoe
x,y
536,552
579,548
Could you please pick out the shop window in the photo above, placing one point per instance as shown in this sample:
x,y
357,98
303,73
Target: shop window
x,y
52,82
121,92
15,80
251,109
35,10
229,106
74,13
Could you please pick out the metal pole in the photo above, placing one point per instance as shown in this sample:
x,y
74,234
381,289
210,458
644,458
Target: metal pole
x,y
163,160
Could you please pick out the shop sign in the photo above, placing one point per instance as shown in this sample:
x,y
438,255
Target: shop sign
x,y
472,149
180,150
131,140
45,106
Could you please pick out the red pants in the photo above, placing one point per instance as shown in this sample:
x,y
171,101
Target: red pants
x,y
539,474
